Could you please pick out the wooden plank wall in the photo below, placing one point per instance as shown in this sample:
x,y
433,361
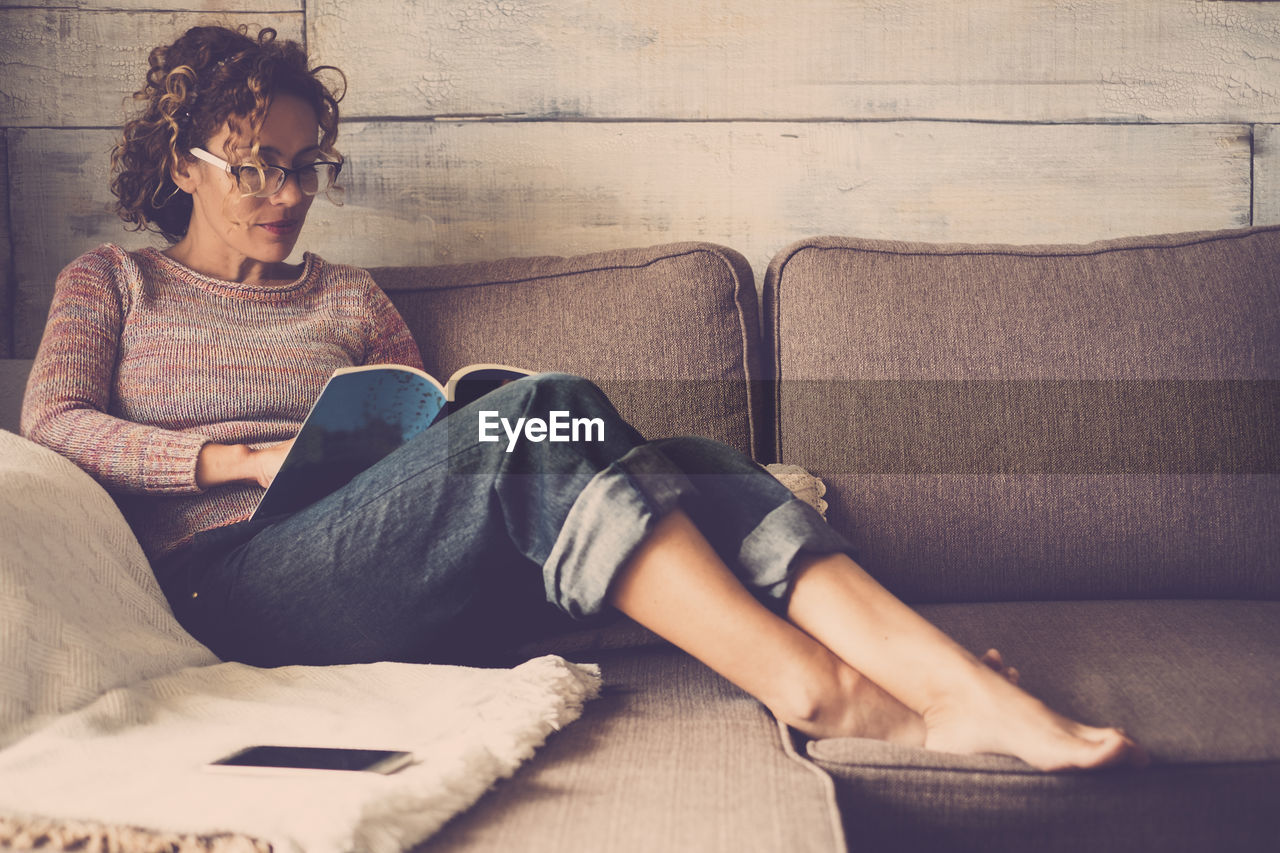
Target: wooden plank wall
x,y
480,129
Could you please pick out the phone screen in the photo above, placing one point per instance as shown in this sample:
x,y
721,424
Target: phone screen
x,y
316,758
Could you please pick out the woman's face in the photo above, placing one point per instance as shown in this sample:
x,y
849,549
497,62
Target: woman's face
x,y
228,231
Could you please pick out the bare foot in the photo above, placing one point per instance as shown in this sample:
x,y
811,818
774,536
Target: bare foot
x,y
995,716
855,706
851,705
870,712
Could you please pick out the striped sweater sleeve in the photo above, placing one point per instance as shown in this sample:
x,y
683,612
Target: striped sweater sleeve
x,y
69,392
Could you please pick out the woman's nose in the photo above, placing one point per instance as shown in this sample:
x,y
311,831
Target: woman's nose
x,y
290,191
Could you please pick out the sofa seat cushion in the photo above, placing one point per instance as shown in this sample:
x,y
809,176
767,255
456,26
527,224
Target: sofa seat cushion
x,y
670,332
669,757
998,422
1196,682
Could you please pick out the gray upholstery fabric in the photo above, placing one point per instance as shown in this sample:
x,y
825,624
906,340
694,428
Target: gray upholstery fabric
x,y
1025,422
671,757
13,384
1196,682
670,332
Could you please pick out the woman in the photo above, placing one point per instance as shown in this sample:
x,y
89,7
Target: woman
x,y
178,377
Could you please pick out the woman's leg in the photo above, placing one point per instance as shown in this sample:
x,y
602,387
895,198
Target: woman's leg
x,y
450,548
965,706
418,553
859,646
672,576
677,586
432,554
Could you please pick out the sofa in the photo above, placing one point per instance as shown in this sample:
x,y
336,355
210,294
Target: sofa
x,y
1066,452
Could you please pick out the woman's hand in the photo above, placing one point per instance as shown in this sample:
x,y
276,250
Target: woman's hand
x,y
265,462
237,463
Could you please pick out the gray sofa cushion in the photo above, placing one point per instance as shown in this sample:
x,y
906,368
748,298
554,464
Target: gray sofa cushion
x,y
1196,682
670,332
1023,422
670,757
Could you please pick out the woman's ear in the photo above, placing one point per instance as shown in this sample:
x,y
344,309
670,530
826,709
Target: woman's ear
x,y
185,173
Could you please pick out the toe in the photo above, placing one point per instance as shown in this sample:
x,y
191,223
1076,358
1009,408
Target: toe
x,y
1115,747
1113,751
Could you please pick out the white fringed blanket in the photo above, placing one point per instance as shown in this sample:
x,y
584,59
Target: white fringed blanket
x,y
135,756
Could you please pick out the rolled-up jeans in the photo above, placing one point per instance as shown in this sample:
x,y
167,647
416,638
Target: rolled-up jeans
x,y
452,549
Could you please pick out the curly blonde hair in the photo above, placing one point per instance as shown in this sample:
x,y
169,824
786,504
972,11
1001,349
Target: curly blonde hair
x,y
208,77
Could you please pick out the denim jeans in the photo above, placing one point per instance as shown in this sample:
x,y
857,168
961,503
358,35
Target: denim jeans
x,y
451,548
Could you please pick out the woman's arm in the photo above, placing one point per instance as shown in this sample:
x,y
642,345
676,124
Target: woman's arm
x,y
69,391
390,341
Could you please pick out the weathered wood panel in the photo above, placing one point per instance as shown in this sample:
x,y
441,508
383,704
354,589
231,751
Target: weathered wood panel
x,y
151,5
6,254
459,191
450,192
1266,174
65,68
1024,60
59,185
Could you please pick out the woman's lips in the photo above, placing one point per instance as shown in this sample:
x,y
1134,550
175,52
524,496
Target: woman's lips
x,y
281,227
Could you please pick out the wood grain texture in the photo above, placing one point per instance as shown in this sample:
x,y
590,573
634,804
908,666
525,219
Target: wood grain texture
x,y
67,68
62,207
425,193
1020,60
1266,174
162,5
452,192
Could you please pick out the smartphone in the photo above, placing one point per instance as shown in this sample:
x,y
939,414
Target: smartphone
x,y
273,759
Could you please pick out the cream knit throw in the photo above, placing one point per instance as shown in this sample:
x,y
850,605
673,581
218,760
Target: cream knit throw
x,y
135,757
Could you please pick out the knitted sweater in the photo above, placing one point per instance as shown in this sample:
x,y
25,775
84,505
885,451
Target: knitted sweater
x,y
144,361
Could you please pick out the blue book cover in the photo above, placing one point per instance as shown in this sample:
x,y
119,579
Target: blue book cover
x,y
362,415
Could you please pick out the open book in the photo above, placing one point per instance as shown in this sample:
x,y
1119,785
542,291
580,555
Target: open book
x,y
364,413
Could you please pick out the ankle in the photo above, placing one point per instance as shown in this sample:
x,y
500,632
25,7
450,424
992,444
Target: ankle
x,y
969,686
841,702
812,697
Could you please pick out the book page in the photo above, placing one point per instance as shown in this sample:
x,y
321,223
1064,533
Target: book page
x,y
475,380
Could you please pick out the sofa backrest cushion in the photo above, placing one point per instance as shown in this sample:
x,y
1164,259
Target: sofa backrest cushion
x,y
13,384
1022,422
670,332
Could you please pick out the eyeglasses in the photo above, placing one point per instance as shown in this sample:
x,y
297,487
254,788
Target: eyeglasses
x,y
266,181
